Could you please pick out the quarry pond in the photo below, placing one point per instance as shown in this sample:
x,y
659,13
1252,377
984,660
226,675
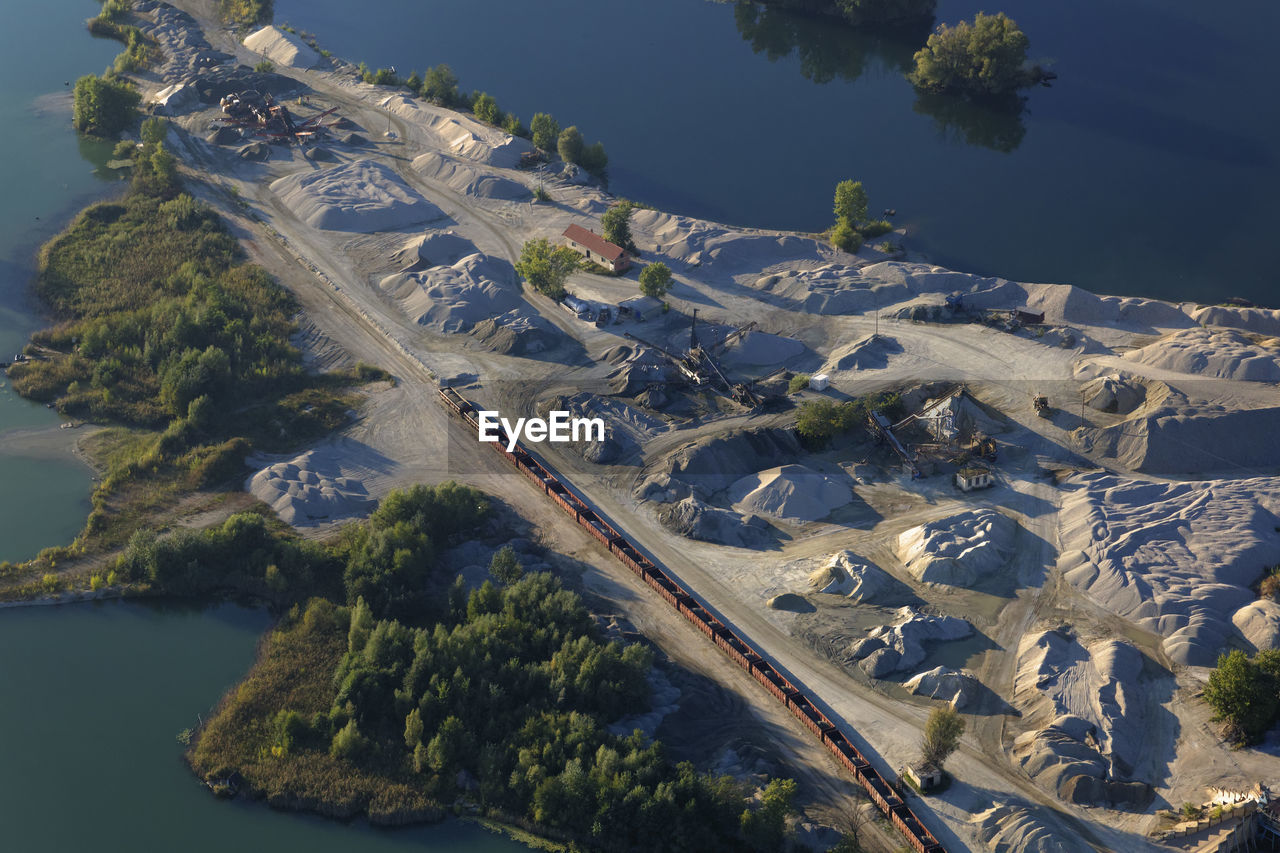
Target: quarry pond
x,y
1138,173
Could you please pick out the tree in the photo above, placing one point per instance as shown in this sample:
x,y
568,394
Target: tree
x,y
154,130
414,82
545,129
570,144
486,108
844,236
504,567
546,267
593,159
440,85
851,203
512,125
987,57
655,280
941,735
616,225
766,827
820,420
1243,695
102,106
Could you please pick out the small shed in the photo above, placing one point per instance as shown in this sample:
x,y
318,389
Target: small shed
x,y
597,249
1028,317
974,477
819,382
925,776
640,308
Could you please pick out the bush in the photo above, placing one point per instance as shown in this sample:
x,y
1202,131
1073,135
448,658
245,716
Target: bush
x,y
799,382
594,160
246,12
570,145
264,66
102,106
655,280
545,130
845,237
875,228
486,108
440,86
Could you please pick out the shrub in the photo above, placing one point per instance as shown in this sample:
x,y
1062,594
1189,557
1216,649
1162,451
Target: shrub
x,y
102,106
440,85
545,130
486,108
264,66
799,382
845,237
570,144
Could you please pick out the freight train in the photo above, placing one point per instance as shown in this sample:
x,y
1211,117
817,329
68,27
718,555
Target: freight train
x,y
882,792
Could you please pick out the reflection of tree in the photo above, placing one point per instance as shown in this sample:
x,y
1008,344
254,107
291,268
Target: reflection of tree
x,y
826,49
994,123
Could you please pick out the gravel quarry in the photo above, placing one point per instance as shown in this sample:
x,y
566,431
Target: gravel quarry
x,y
1071,611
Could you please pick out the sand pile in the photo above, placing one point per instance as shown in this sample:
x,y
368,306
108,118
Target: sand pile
x,y
1175,558
1009,828
844,574
1259,623
174,100
362,196
790,602
255,151
1222,354
1069,304
1262,321
869,353
282,48
310,489
456,297
516,332
466,180
1171,435
1116,393
636,369
710,464
791,492
948,685
435,248
959,550
761,349
694,519
696,243
1094,704
890,648
463,137
224,136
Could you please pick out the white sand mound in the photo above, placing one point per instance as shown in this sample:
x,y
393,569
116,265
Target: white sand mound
x,y
949,685
844,574
456,297
959,550
1009,828
1171,435
890,648
696,243
310,489
362,196
1094,717
462,136
1263,321
869,353
1259,622
282,48
761,349
1114,393
436,248
466,180
793,492
1175,558
1222,354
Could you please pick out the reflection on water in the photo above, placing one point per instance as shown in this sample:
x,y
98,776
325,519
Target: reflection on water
x,y
994,123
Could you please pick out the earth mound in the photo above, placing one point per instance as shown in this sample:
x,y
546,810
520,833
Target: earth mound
x,y
694,519
791,492
362,196
711,464
889,648
844,574
456,297
948,685
790,602
1114,393
282,48
1259,622
310,489
1220,353
960,550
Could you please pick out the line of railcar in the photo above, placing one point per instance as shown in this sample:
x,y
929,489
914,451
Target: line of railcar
x,y
882,792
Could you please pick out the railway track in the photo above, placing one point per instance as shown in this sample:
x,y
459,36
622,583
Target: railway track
x,y
884,793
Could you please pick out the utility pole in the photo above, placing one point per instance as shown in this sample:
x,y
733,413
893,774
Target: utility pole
x,y
877,334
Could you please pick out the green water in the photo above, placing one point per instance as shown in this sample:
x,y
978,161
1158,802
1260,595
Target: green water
x,y
47,174
93,697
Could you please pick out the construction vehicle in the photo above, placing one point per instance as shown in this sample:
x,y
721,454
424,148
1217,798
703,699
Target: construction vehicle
x,y
1041,404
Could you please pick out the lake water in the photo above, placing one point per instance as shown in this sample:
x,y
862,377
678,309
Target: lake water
x,y
1150,168
47,174
94,697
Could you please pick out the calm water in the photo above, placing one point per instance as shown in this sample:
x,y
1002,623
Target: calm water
x,y
94,696
46,174
1150,168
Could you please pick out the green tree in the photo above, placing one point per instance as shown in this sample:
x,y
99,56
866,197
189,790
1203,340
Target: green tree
x,y
1243,695
486,108
987,57
844,236
570,144
264,66
102,106
942,734
822,419
154,130
594,159
512,125
414,82
505,567
348,743
446,749
655,280
851,203
440,85
766,827
616,225
545,129
546,267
